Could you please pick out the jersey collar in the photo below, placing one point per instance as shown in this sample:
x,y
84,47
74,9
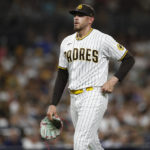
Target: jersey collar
x,y
78,38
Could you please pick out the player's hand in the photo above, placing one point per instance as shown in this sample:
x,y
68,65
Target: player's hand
x,y
52,112
108,87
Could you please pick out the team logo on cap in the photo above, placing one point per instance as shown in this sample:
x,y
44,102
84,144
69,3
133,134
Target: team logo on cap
x,y
120,47
79,7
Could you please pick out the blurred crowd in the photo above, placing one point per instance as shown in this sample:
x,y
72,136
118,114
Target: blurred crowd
x,y
30,35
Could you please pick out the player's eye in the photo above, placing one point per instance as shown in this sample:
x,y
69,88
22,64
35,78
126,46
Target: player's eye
x,y
79,14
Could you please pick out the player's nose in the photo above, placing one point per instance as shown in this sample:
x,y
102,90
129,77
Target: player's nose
x,y
76,17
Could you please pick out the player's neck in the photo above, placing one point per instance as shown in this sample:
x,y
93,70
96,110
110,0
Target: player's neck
x,y
84,32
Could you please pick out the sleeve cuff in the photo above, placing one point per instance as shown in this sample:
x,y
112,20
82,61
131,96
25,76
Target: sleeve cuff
x,y
59,67
123,55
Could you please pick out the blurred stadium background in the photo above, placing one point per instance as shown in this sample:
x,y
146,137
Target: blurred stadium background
x,y
30,35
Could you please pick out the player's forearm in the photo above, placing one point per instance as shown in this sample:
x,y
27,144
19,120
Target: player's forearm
x,y
125,66
114,80
60,84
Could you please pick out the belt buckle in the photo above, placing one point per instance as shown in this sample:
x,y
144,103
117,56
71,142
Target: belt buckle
x,y
89,88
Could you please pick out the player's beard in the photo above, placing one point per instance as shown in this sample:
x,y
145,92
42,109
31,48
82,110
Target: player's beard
x,y
78,29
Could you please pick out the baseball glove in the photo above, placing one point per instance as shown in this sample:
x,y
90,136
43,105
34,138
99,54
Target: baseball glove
x,y
50,129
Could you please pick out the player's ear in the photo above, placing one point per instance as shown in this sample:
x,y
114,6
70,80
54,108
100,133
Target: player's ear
x,y
91,20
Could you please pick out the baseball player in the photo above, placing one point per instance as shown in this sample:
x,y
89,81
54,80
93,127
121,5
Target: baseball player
x,y
83,62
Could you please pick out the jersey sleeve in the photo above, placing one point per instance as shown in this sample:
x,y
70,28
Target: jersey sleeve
x,y
63,63
112,49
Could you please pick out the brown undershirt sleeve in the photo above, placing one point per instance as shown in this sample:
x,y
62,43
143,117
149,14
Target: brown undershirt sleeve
x,y
127,63
61,81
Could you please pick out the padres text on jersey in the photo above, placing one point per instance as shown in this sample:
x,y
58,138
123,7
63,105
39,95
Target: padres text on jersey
x,y
83,54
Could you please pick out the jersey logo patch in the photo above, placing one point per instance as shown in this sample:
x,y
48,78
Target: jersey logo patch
x,y
120,47
69,43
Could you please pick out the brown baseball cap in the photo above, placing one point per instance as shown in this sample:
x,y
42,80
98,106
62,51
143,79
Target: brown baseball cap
x,y
84,9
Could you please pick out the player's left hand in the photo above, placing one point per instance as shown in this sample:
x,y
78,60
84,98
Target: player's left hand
x,y
108,87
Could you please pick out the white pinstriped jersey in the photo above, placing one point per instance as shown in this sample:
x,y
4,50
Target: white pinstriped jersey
x,y
87,59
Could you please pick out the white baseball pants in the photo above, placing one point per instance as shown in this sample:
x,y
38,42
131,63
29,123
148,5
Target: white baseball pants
x,y
87,110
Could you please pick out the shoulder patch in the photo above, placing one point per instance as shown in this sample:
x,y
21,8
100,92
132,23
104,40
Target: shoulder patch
x,y
120,47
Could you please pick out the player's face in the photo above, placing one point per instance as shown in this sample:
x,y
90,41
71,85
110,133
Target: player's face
x,y
81,21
